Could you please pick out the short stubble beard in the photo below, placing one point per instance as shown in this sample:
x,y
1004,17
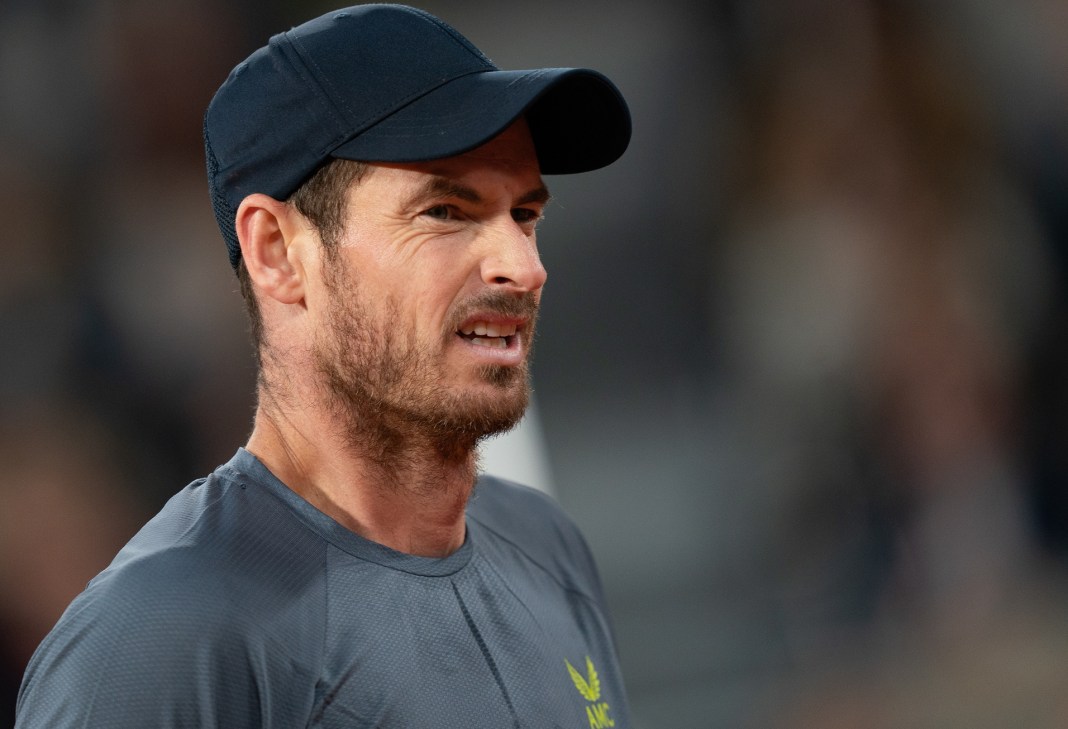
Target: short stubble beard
x,y
387,390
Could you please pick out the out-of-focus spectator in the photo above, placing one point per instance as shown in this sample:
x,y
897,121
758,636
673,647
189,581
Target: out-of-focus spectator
x,y
883,290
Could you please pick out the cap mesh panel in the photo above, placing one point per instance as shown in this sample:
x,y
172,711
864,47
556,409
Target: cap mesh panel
x,y
224,212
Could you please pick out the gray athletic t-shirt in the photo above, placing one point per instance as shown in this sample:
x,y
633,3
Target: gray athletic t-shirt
x,y
241,605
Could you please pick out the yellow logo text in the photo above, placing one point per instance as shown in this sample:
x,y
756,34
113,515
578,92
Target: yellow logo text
x,y
589,686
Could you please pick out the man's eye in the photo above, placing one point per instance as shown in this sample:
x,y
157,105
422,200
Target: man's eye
x,y
525,215
439,212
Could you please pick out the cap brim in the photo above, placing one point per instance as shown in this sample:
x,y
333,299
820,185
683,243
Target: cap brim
x,y
578,120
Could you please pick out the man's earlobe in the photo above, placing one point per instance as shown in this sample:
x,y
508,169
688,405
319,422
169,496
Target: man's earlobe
x,y
265,229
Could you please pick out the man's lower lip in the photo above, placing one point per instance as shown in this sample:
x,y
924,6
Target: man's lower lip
x,y
489,342
512,353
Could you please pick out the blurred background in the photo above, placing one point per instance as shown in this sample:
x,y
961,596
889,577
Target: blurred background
x,y
799,374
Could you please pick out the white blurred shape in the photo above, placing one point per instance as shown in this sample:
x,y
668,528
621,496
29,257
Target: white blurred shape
x,y
520,454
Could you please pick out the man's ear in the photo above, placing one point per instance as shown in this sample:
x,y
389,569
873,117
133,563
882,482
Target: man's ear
x,y
266,228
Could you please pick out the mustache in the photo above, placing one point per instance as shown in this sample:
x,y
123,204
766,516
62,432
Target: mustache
x,y
526,306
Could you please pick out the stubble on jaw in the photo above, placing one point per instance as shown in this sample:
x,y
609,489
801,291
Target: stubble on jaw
x,y
385,389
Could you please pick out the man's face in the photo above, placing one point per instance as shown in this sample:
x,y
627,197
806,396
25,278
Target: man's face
x,y
431,295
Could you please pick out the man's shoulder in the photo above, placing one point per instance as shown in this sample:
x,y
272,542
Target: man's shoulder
x,y
228,517
511,507
217,592
534,525
223,556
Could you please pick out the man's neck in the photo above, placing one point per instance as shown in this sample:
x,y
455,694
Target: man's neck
x,y
413,501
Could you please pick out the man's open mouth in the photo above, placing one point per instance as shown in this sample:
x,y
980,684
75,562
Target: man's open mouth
x,y
487,334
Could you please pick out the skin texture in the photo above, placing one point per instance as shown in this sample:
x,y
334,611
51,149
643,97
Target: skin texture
x,y
373,399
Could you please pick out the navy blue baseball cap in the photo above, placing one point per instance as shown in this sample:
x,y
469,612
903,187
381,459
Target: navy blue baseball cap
x,y
390,83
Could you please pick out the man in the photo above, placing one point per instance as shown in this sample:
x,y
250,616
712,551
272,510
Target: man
x,y
378,184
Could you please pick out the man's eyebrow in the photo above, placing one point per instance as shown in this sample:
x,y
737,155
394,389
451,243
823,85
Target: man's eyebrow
x,y
539,194
437,187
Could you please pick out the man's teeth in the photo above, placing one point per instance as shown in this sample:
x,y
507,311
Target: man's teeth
x,y
487,329
491,342
488,334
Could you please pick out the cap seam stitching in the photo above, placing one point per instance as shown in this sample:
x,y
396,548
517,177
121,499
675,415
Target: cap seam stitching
x,y
337,99
305,70
456,36
380,116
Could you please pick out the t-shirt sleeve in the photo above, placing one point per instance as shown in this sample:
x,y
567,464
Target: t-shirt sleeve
x,y
211,617
139,651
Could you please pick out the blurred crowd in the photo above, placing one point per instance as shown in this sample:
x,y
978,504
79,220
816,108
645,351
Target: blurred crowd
x,y
891,305
858,289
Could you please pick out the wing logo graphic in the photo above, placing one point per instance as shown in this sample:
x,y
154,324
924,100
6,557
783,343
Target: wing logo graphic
x,y
589,685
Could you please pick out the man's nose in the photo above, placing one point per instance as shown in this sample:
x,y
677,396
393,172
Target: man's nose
x,y
511,259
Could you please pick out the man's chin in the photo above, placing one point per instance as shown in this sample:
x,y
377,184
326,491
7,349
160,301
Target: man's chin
x,y
490,411
500,416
